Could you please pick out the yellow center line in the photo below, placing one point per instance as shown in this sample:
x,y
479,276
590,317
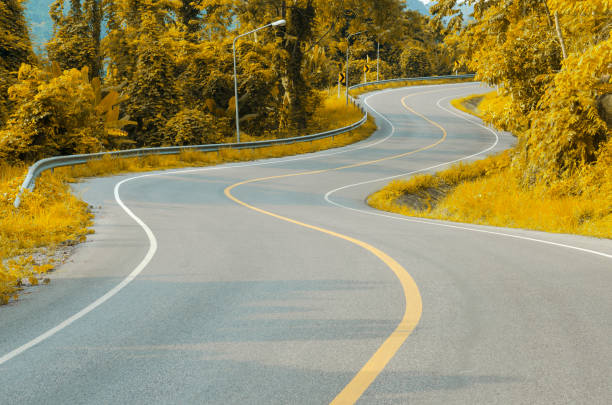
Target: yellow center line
x,y
414,305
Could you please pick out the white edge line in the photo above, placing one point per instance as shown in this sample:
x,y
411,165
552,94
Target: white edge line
x,y
440,224
141,266
153,241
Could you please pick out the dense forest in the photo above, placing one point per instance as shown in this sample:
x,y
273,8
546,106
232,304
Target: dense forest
x,y
41,25
551,61
126,73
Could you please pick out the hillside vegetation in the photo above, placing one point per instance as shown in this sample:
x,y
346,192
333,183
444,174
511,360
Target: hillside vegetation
x,y
160,72
41,25
551,61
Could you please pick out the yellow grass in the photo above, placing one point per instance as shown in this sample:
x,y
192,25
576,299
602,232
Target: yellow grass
x,y
334,114
51,216
487,192
109,165
48,217
477,104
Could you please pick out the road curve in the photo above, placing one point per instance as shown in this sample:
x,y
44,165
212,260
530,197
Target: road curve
x,y
273,282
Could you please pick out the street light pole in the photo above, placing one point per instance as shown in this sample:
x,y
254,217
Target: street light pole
x,y
274,24
377,60
348,50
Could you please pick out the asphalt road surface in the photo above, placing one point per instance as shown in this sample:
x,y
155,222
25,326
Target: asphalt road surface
x,y
272,282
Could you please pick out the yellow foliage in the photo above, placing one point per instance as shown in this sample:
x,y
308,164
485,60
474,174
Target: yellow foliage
x,y
59,114
487,193
490,191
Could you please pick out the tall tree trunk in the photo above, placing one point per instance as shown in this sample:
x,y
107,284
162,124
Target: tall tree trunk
x,y
560,35
556,26
95,25
296,90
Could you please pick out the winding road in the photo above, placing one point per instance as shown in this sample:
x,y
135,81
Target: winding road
x,y
273,282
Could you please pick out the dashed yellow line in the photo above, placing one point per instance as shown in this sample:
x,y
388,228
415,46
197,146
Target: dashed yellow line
x,y
414,305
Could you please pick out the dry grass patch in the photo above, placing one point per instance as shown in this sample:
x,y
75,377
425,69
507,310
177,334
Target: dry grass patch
x,y
48,217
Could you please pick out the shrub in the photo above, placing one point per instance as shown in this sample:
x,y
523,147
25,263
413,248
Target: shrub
x,y
194,127
415,62
58,114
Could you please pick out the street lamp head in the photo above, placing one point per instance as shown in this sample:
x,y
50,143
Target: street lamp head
x,y
279,23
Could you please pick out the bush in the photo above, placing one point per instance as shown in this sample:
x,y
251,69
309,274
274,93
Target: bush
x,y
194,127
415,62
53,115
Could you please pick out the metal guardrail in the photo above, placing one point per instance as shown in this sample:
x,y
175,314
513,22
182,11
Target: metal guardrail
x,y
412,79
60,161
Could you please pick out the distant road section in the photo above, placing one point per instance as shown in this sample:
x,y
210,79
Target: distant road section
x,y
272,282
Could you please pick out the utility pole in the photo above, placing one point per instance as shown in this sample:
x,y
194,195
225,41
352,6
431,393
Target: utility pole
x,y
377,60
273,24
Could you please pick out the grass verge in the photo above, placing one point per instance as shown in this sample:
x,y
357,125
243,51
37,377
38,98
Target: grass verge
x,y
488,192
51,218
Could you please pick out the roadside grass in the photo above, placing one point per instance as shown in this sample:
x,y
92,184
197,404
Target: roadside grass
x,y
187,158
480,105
48,218
51,217
488,192
392,85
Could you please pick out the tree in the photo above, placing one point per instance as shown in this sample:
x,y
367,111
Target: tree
x,y
194,127
551,61
76,35
415,62
15,49
59,113
152,92
174,56
311,23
